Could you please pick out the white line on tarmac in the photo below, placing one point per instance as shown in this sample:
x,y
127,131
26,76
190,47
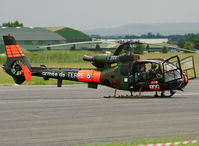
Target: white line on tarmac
x,y
186,94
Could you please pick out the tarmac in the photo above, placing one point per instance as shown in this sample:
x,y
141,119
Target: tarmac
x,y
76,115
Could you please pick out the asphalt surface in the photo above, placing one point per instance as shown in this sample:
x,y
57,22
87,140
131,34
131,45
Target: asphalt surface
x,y
74,114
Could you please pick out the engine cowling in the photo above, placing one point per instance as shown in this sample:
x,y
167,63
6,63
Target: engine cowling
x,y
104,61
101,61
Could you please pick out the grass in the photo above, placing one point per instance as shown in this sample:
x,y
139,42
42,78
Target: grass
x,y
54,57
67,58
152,141
54,28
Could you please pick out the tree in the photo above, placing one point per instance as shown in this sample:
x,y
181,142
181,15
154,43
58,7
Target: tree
x,y
193,37
150,35
139,49
165,49
13,24
97,47
195,40
148,48
73,47
188,46
169,42
181,42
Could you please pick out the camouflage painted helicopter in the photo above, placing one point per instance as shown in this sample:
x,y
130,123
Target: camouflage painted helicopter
x,y
119,71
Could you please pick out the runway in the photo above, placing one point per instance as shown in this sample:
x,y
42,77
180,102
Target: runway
x,y
74,114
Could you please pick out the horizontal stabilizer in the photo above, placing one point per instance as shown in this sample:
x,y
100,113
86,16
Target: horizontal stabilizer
x,y
27,73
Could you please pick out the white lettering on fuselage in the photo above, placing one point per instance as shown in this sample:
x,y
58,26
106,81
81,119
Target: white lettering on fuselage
x,y
54,74
75,75
154,86
62,75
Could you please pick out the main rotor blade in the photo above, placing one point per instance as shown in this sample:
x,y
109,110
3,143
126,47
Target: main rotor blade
x,y
77,43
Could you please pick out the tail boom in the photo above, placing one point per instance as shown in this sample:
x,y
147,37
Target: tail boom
x,y
87,76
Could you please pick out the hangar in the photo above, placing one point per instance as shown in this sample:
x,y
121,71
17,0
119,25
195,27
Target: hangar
x,y
30,38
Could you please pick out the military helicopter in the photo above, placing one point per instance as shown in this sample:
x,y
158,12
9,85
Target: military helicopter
x,y
119,71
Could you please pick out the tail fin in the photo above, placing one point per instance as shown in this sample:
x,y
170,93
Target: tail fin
x,y
17,65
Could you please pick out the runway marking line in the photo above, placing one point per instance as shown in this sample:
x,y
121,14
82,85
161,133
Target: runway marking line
x,y
172,143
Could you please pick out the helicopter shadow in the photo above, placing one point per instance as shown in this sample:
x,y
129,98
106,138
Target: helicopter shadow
x,y
144,97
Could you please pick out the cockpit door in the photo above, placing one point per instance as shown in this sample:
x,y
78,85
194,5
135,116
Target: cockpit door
x,y
172,69
188,67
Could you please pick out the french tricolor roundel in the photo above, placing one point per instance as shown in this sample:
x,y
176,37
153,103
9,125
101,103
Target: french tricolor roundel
x,y
88,76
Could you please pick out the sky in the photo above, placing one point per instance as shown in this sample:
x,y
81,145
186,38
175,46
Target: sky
x,y
91,14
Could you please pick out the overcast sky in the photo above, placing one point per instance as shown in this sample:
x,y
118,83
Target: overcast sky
x,y
89,14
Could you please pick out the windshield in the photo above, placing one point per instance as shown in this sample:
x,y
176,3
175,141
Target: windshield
x,y
171,72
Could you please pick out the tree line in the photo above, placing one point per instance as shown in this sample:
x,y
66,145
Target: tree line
x,y
12,24
190,43
187,41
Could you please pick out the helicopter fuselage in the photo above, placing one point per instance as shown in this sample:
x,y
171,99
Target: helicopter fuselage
x,y
124,76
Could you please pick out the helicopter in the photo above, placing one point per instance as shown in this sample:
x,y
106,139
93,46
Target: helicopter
x,y
121,71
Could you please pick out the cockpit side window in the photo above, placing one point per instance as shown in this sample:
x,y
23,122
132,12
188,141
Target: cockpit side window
x,y
169,67
148,71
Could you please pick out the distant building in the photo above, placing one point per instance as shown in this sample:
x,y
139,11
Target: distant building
x,y
30,38
154,41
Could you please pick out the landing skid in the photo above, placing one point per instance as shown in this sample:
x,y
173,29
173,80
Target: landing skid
x,y
141,96
129,96
163,94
